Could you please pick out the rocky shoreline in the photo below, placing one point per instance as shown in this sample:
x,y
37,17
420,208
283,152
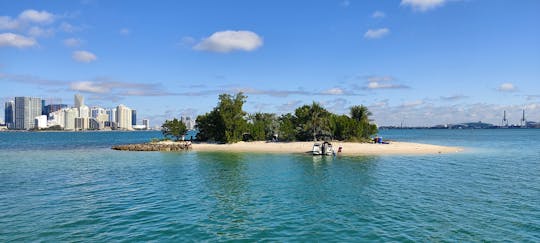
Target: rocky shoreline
x,y
154,147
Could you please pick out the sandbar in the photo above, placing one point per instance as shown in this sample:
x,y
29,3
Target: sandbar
x,y
348,148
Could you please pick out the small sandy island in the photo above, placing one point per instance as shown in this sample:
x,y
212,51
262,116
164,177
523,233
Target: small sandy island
x,y
348,148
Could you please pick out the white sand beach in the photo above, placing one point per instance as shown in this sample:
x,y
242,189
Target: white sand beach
x,y
348,148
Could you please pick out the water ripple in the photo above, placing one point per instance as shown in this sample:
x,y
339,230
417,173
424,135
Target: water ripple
x,y
94,194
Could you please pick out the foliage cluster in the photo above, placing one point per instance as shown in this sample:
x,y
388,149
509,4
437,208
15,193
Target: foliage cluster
x,y
228,123
174,129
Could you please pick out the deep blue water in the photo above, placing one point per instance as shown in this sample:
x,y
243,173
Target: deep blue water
x,y
72,187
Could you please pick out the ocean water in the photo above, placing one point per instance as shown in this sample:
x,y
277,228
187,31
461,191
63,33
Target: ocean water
x,y
71,187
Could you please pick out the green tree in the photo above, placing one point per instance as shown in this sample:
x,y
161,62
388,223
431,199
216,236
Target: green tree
x,y
174,128
230,111
312,121
286,129
226,122
263,126
361,115
210,127
343,127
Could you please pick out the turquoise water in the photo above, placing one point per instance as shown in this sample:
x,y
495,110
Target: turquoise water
x,y
72,187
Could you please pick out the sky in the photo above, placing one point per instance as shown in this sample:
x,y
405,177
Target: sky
x,y
411,62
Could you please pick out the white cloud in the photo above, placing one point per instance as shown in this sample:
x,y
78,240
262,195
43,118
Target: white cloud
x,y
454,97
379,85
230,40
413,103
345,3
90,87
42,17
84,56
107,88
125,31
423,5
36,31
338,105
334,91
376,33
289,106
507,87
380,79
14,40
72,42
382,82
6,23
378,15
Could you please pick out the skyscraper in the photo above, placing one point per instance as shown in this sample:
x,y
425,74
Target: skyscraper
x,y
69,118
133,117
9,113
84,111
95,111
43,107
50,108
112,115
123,117
26,110
146,124
79,101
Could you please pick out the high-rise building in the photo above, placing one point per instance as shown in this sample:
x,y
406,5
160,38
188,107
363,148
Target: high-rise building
x,y
9,113
112,115
40,122
190,124
43,107
95,111
101,119
146,124
133,117
50,108
123,116
69,118
26,110
79,101
56,118
84,111
94,124
81,123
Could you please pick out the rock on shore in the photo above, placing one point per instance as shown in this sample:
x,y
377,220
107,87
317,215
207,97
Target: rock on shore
x,y
154,147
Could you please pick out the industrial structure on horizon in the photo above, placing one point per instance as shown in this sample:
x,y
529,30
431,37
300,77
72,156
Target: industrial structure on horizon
x,y
523,123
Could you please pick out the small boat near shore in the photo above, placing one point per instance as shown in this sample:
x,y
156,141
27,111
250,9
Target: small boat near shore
x,y
322,149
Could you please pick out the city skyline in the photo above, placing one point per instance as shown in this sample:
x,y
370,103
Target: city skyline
x,y
28,113
414,62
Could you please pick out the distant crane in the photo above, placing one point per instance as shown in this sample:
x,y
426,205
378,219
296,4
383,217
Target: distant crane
x,y
504,120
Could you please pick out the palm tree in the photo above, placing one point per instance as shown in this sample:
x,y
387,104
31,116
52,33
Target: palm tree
x,y
360,113
319,120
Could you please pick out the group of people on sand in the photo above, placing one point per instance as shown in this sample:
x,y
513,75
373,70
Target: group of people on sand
x,y
379,140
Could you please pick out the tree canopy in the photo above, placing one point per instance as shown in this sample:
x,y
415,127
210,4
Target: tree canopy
x,y
226,122
229,123
174,128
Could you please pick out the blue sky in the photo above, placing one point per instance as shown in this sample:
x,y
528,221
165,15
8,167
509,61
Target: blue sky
x,y
421,62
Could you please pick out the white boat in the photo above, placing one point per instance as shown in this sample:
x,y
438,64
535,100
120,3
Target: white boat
x,y
322,149
316,149
327,149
